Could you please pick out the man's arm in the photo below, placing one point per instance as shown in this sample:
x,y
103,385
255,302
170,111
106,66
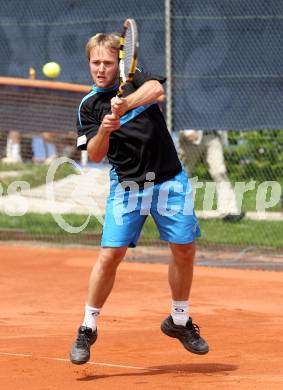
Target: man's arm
x,y
98,146
147,93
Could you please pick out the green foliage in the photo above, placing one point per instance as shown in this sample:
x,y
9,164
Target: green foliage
x,y
256,155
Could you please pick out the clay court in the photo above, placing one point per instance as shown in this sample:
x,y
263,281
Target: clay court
x,y
42,295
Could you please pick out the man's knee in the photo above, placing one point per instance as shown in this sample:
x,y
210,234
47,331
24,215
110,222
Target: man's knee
x,y
183,253
110,258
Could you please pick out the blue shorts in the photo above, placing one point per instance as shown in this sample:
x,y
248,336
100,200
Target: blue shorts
x,y
169,203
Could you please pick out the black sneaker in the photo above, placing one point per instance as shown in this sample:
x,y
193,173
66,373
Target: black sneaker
x,y
188,335
80,352
234,217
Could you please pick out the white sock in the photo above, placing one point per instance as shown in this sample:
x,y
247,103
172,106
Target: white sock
x,y
9,147
16,152
180,312
91,314
13,150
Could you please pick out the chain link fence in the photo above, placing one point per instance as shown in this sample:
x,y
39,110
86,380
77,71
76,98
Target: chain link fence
x,y
224,68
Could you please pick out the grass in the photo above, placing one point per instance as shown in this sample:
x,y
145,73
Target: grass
x,y
246,232
249,198
34,223
13,167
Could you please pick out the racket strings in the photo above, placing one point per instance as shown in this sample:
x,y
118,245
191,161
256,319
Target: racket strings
x,y
129,49
127,54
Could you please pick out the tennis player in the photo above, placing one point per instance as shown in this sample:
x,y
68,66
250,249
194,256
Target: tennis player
x,y
132,132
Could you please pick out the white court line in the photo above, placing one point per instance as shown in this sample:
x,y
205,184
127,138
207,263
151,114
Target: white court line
x,y
92,363
15,354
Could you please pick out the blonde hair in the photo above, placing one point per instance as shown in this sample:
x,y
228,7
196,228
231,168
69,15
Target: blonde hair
x,y
111,41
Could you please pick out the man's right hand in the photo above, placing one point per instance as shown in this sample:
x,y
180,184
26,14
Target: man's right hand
x,y
110,123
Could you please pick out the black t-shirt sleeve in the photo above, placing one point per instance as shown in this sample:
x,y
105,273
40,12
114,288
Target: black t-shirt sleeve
x,y
141,76
87,127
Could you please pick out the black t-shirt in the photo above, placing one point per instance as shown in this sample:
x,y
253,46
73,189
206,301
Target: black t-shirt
x,y
141,145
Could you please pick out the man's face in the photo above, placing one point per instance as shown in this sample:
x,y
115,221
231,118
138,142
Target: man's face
x,y
103,64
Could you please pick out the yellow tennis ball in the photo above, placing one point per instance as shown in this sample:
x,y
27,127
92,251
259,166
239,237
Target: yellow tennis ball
x,y
51,69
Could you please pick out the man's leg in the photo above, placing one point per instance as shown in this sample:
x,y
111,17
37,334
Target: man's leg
x,y
13,148
189,153
101,283
180,275
226,197
103,274
122,226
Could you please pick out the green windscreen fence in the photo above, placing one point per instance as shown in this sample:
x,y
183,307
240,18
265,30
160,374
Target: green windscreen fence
x,y
226,74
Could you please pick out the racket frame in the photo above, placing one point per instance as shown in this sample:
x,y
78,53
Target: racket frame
x,y
123,77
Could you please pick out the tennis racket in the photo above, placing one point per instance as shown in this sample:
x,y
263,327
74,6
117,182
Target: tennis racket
x,y
128,54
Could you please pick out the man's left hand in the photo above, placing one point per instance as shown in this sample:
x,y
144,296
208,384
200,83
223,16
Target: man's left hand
x,y
119,106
